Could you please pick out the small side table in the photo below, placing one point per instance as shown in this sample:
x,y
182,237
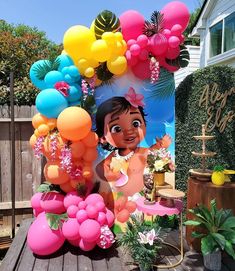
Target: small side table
x,y
161,210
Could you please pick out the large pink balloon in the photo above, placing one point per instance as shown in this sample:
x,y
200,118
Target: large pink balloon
x,y
41,239
158,44
90,230
70,229
132,23
141,70
175,13
52,202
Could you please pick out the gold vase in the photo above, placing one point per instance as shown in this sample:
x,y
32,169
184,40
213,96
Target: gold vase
x,y
159,178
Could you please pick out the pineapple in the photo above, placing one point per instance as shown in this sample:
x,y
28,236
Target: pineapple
x,y
218,176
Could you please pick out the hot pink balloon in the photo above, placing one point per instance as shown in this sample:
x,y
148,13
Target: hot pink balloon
x,y
175,13
41,239
181,38
90,230
158,44
52,202
174,41
70,229
176,30
173,53
72,211
100,206
86,246
168,67
141,70
75,242
92,211
143,54
93,198
132,23
130,42
81,216
110,218
72,198
142,41
166,32
135,49
131,60
35,203
102,218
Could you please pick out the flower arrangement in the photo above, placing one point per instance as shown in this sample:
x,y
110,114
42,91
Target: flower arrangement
x,y
143,241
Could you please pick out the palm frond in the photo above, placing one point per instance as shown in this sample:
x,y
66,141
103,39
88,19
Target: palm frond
x,y
182,60
155,25
103,72
48,65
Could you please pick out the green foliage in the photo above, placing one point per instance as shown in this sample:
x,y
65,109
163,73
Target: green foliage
x,y
189,118
154,26
182,60
55,221
219,226
218,168
48,187
42,69
193,18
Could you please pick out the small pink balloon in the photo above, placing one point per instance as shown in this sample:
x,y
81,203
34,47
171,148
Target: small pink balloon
x,y
175,12
131,60
174,41
92,211
110,218
135,49
82,205
143,54
72,211
90,230
86,246
130,42
158,44
142,41
81,216
100,206
173,53
70,229
72,198
75,242
176,30
142,70
102,218
166,33
93,198
132,24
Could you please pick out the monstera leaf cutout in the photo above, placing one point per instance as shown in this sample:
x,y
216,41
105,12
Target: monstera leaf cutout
x,y
182,60
49,65
106,21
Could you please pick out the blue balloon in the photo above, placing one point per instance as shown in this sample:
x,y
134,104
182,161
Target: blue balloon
x,y
69,79
65,61
53,77
51,103
65,70
74,72
33,74
75,93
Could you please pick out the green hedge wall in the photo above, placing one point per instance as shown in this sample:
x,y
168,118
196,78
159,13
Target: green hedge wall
x,y
190,117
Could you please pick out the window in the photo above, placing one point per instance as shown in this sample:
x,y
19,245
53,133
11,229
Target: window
x,y
222,36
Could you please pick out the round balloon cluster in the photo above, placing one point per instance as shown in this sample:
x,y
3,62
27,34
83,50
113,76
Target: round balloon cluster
x,y
87,223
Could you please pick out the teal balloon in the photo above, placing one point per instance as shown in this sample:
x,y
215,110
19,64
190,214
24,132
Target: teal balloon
x,y
69,79
33,74
75,93
73,71
51,103
65,61
65,70
53,77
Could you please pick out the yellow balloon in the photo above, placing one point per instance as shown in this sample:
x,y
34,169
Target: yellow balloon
x,y
100,50
117,65
118,36
109,37
93,63
117,49
78,40
82,65
89,72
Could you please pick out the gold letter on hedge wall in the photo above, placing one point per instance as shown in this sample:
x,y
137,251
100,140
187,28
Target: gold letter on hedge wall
x,y
214,103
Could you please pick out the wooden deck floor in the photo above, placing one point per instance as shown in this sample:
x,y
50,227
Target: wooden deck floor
x,y
69,258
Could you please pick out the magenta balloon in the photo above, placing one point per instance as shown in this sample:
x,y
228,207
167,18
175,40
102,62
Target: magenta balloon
x,y
172,53
175,13
135,49
130,42
168,67
86,246
181,39
110,218
102,219
141,70
90,230
75,242
131,60
41,239
167,33
132,24
35,201
174,41
158,44
72,198
72,211
52,202
143,54
176,30
94,198
142,41
81,216
70,229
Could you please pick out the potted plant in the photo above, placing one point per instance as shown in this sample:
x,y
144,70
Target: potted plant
x,y
142,240
217,233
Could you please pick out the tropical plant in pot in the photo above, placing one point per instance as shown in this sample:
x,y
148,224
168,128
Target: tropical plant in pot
x,y
216,228
142,240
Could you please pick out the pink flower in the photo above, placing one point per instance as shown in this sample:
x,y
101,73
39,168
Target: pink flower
x,y
62,87
133,98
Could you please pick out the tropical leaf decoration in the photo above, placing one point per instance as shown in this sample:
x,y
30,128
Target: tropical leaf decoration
x,y
48,65
106,21
182,60
103,72
55,221
48,187
164,87
155,25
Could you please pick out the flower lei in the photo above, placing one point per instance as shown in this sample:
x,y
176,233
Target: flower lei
x,y
38,146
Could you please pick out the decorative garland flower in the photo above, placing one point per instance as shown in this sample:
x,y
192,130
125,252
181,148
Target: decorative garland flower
x,y
38,146
155,70
53,145
66,159
62,87
133,98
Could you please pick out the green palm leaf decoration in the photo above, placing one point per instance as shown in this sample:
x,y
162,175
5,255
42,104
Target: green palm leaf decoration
x,y
106,21
48,65
103,72
182,60
155,25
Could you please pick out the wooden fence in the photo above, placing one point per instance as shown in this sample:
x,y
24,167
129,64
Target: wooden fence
x,y
28,170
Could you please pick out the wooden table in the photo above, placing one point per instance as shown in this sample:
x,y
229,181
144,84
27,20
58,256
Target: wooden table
x,y
203,192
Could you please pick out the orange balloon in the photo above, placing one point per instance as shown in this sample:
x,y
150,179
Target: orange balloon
x,y
32,140
131,206
66,187
38,119
43,129
91,140
36,133
123,216
52,123
90,155
74,123
120,203
54,173
78,149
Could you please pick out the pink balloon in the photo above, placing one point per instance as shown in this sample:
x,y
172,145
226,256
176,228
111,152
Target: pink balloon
x,y
102,218
176,30
93,198
135,49
35,201
100,206
174,41
131,60
169,67
143,54
166,33
81,216
130,42
92,211
172,53
142,41
141,70
90,230
175,13
110,218
75,242
132,23
41,239
70,229
72,198
158,44
52,202
86,246
82,205
181,37
72,211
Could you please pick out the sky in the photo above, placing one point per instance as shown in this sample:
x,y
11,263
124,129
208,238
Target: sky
x,y
56,16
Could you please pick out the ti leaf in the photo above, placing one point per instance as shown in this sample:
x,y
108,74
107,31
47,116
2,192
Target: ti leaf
x,y
229,249
208,244
219,239
182,60
55,220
